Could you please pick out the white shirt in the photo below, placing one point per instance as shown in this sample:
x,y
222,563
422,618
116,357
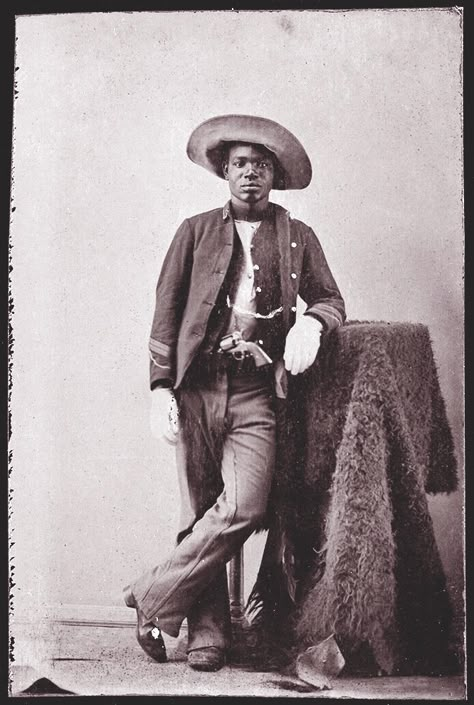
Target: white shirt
x,y
244,304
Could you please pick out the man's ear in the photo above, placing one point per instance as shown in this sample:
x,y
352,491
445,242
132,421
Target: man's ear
x,y
224,170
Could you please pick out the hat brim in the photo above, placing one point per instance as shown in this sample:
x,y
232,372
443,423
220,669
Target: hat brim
x,y
205,146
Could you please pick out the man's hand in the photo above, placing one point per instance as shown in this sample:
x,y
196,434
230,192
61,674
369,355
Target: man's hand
x,y
302,344
163,412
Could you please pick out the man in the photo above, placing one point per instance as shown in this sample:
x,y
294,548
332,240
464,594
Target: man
x,y
224,336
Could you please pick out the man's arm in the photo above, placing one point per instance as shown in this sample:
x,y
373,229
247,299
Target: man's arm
x,y
325,308
171,296
318,287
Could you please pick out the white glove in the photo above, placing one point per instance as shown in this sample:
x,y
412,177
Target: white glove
x,y
302,344
164,415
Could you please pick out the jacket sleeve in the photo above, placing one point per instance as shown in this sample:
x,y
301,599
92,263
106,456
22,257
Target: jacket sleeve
x,y
171,296
318,288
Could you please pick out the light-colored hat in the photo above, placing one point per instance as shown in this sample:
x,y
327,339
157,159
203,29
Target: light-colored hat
x,y
205,146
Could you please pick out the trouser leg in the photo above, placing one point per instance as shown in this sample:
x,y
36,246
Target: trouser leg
x,y
168,592
209,617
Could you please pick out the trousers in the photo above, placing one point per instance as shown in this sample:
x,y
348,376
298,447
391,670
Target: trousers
x,y
192,582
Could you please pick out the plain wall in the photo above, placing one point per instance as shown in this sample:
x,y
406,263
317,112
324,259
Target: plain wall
x,y
105,105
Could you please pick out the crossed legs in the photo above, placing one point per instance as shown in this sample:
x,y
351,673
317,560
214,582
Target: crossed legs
x,y
191,583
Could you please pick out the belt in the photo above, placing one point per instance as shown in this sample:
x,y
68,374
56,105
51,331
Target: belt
x,y
215,362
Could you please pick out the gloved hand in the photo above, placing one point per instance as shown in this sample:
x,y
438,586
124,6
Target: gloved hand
x,y
302,344
164,415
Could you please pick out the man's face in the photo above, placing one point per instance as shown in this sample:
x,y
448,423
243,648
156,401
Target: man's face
x,y
250,173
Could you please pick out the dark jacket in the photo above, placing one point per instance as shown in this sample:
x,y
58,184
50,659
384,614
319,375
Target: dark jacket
x,y
194,271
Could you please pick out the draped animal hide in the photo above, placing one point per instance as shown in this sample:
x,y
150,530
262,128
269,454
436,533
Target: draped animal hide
x,y
366,436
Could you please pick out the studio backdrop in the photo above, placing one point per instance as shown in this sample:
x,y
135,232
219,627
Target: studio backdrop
x,y
104,105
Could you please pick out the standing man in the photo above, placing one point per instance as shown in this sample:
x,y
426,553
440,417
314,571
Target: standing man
x,y
224,337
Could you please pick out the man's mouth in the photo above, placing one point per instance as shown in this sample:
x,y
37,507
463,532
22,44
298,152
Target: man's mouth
x,y
251,186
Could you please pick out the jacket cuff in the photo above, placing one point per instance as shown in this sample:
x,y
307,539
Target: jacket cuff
x,y
162,383
162,371
329,316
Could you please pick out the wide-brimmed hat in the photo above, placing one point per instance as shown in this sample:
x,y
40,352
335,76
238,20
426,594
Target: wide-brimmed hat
x,y
207,142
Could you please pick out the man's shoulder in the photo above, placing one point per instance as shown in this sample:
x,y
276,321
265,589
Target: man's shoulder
x,y
294,222
207,217
297,226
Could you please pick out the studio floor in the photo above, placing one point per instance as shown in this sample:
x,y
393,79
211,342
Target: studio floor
x,y
106,660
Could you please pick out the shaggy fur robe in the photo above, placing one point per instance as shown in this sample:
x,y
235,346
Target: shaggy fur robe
x,y
351,549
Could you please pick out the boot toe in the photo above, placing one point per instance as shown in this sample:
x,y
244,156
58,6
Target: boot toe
x,y
209,658
153,644
150,638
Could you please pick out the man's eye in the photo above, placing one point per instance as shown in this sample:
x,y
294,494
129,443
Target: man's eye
x,y
263,165
239,163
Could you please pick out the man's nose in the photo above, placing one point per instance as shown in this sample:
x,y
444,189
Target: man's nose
x,y
250,169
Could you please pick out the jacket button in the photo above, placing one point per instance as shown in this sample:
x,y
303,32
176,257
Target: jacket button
x,y
260,342
258,289
256,267
293,244
293,275
293,308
